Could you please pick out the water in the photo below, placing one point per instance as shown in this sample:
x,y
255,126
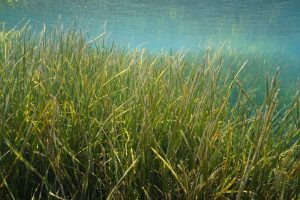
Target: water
x,y
263,26
157,24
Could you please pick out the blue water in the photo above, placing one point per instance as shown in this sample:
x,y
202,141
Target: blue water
x,y
270,27
158,24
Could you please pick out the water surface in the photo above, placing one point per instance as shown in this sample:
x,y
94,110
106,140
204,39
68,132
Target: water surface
x,y
157,24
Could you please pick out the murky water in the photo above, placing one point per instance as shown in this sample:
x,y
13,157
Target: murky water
x,y
156,24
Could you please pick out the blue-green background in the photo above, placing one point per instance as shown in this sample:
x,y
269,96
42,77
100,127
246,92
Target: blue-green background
x,y
160,24
266,27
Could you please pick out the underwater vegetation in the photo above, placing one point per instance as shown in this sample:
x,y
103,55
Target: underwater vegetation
x,y
86,119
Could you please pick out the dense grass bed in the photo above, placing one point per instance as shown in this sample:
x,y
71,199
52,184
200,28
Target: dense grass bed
x,y
88,120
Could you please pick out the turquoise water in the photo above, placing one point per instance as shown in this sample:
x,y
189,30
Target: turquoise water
x,y
268,27
272,25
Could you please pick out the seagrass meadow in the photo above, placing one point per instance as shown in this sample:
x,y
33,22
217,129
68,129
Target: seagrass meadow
x,y
84,119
